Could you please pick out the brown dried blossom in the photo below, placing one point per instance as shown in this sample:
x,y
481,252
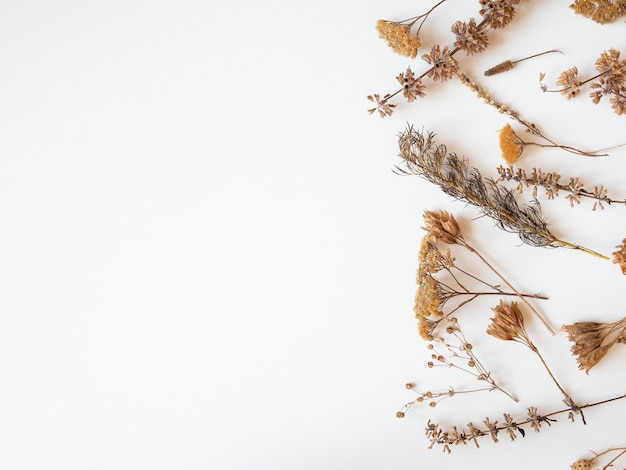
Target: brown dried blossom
x,y
412,87
443,65
592,340
470,37
384,109
443,226
569,82
498,13
508,323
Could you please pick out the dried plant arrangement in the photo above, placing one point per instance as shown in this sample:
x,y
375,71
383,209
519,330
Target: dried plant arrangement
x,y
452,350
508,64
592,340
432,293
600,11
590,463
423,157
456,435
610,81
550,182
471,37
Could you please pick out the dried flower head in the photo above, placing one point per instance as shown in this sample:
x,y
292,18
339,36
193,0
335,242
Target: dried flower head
x,y
569,82
498,13
398,37
383,108
443,226
593,340
619,256
470,37
582,464
508,323
411,87
509,145
443,65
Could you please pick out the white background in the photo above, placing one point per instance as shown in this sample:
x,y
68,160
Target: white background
x,y
208,263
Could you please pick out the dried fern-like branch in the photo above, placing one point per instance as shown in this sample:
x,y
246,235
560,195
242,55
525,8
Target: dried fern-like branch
x,y
424,158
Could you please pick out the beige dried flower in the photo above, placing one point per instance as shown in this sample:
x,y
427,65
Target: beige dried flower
x,y
600,11
412,87
382,106
470,37
619,256
498,13
569,82
443,65
508,323
443,226
593,340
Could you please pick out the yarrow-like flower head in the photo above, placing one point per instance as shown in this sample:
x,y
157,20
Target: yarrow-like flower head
x,y
510,144
398,37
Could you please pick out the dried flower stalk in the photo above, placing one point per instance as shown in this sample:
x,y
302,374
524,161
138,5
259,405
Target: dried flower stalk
x,y
508,325
509,64
530,127
424,158
470,37
593,340
443,227
437,435
610,81
458,353
549,181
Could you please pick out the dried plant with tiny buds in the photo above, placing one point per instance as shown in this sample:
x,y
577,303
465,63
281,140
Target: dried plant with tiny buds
x,y
550,182
610,81
452,350
592,340
508,325
423,157
456,435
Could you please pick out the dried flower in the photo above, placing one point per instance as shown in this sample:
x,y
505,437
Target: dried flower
x,y
383,108
498,13
443,65
442,226
593,340
570,83
509,144
411,87
619,256
600,11
398,37
470,37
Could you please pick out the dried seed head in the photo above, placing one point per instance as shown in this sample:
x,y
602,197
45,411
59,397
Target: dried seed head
x,y
582,464
619,256
508,323
442,226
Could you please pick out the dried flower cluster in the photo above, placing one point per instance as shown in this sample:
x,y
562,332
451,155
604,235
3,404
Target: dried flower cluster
x,y
592,340
600,11
424,158
610,81
457,435
619,256
471,37
550,182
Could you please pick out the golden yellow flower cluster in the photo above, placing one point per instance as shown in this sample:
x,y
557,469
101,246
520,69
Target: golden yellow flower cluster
x,y
600,11
398,38
509,145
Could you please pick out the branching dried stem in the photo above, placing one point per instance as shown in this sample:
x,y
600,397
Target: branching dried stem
x,y
531,128
471,37
455,436
610,81
549,181
422,157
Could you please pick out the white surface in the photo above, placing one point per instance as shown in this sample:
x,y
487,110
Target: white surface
x,y
207,261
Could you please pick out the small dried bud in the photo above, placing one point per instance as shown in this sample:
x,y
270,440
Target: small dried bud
x,y
432,404
409,386
442,226
582,464
400,414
